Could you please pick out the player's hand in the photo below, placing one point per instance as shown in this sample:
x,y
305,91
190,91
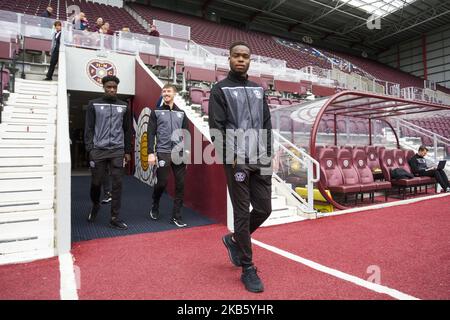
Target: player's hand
x,y
152,159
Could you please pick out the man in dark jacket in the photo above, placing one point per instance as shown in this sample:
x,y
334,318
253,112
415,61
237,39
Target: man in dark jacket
x,y
108,142
48,13
54,51
154,33
420,168
240,126
166,148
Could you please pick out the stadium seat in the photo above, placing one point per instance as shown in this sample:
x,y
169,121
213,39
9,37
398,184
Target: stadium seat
x,y
388,163
196,95
365,173
331,175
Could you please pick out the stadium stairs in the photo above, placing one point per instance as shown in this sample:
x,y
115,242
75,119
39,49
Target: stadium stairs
x,y
27,167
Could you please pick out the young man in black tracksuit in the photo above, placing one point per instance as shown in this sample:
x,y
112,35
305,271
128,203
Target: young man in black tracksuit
x,y
420,168
108,142
166,148
240,126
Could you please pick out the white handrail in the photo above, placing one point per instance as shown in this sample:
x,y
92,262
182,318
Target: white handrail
x,y
303,153
308,161
417,128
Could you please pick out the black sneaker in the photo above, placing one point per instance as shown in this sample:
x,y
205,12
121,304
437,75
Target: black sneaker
x,y
93,213
233,249
118,224
251,280
107,199
154,213
178,222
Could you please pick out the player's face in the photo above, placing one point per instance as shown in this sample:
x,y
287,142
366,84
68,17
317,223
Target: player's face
x,y
240,59
110,89
423,153
168,95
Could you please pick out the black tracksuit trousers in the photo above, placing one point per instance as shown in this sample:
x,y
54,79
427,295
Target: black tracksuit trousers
x,y
247,186
439,175
99,170
162,174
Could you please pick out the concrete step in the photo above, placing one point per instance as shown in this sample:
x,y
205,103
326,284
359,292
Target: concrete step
x,y
28,117
278,202
49,105
285,211
282,220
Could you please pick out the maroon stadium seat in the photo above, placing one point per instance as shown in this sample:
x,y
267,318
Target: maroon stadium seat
x,y
365,173
331,176
273,100
285,102
400,159
196,95
388,163
350,173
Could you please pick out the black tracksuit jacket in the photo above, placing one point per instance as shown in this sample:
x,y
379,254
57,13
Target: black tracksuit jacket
x,y
237,104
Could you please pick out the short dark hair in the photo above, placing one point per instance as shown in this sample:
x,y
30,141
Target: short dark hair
x,y
170,85
57,23
105,79
239,43
423,148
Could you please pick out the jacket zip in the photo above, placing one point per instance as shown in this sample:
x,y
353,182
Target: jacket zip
x,y
248,105
251,117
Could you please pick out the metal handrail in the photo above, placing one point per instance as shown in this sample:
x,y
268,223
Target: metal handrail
x,y
309,162
417,128
292,192
303,153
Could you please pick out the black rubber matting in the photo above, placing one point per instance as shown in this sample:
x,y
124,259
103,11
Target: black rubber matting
x,y
136,204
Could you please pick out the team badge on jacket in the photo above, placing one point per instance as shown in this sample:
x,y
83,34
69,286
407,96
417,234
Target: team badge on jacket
x,y
239,176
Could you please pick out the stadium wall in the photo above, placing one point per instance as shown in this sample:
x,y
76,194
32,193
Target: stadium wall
x,y
205,185
427,56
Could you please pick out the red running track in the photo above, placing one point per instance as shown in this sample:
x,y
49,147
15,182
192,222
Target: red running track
x,y
410,244
193,264
38,280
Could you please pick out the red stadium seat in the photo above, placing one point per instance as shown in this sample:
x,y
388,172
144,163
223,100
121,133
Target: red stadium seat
x,y
331,176
196,95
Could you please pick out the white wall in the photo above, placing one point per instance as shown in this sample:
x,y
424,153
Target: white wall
x,y
81,74
411,59
114,3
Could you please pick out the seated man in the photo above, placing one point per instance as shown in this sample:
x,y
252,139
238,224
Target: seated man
x,y
420,168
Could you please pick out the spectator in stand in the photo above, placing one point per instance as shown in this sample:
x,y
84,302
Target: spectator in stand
x,y
106,29
126,29
80,22
98,25
48,13
154,33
